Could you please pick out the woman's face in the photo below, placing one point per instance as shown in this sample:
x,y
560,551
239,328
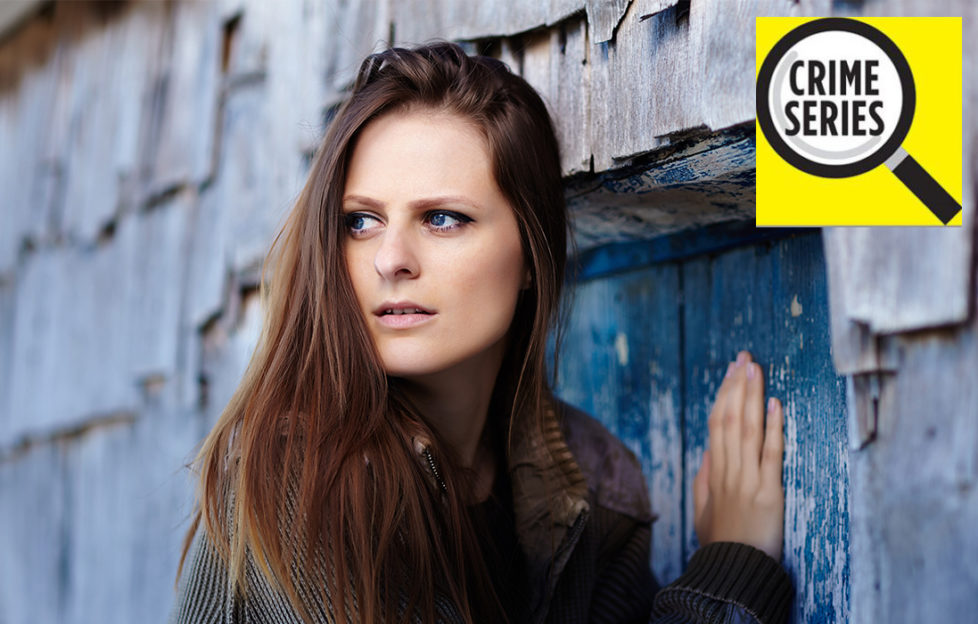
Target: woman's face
x,y
433,248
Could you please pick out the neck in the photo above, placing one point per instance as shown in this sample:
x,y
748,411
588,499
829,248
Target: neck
x,y
456,406
455,403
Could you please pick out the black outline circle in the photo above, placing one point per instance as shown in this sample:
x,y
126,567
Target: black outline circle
x,y
856,27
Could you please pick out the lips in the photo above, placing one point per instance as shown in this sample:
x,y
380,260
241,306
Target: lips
x,y
405,311
406,307
403,315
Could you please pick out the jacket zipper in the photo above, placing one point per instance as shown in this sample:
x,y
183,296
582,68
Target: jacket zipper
x,y
434,470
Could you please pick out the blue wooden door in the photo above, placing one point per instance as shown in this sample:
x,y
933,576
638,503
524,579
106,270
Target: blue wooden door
x,y
651,330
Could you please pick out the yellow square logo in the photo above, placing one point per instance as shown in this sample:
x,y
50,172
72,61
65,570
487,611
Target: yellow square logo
x,y
859,121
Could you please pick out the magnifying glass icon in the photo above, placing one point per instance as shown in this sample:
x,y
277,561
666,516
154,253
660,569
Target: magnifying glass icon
x,y
836,98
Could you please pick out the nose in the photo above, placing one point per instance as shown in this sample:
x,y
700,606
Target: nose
x,y
395,257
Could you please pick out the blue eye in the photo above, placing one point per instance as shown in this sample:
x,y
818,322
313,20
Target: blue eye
x,y
443,220
358,223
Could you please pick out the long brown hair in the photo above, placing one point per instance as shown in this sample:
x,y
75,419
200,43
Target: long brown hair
x,y
312,456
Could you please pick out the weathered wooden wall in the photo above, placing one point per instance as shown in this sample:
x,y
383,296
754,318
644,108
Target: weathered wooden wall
x,y
646,351
150,149
905,333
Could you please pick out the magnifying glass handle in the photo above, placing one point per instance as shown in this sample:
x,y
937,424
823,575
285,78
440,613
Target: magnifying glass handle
x,y
925,187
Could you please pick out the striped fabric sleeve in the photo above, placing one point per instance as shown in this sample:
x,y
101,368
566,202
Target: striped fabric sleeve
x,y
728,583
203,587
625,586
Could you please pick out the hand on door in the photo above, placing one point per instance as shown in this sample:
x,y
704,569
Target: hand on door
x,y
737,493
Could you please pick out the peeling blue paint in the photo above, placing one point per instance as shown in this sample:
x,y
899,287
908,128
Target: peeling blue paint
x,y
685,311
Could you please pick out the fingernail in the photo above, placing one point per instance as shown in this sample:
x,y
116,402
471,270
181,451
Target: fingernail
x,y
770,404
730,369
751,371
741,358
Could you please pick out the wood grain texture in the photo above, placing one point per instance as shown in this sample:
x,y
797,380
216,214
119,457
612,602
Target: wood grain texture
x,y
770,300
446,19
603,17
34,518
620,362
97,122
914,500
904,278
854,348
568,95
723,55
358,29
258,176
703,180
183,119
96,322
157,270
637,92
148,506
30,179
658,339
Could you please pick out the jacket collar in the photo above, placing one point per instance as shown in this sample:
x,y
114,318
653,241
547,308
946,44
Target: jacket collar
x,y
550,500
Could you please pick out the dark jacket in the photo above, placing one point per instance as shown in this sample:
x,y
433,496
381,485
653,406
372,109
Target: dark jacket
x,y
582,517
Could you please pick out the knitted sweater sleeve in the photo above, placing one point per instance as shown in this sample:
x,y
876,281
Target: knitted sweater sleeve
x,y
724,583
729,583
202,591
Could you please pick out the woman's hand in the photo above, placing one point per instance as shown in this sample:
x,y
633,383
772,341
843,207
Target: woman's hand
x,y
737,494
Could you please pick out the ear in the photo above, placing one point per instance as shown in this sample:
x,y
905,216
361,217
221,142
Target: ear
x,y
527,280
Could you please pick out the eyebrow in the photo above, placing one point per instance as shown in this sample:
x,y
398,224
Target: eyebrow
x,y
418,204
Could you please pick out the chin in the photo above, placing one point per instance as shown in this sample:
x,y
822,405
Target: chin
x,y
415,365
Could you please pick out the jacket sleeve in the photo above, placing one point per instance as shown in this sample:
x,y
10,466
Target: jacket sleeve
x,y
202,592
728,583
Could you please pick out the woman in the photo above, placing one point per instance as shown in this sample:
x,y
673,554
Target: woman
x,y
394,451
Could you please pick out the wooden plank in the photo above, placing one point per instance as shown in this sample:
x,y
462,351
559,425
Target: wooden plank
x,y
446,19
485,19
784,328
227,347
147,505
816,451
723,48
208,261
120,300
29,73
34,356
569,94
189,92
158,266
914,501
359,29
620,362
561,9
7,308
259,175
854,348
710,180
914,495
410,31
891,290
639,87
11,169
620,257
288,51
883,285
91,187
32,583
603,17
